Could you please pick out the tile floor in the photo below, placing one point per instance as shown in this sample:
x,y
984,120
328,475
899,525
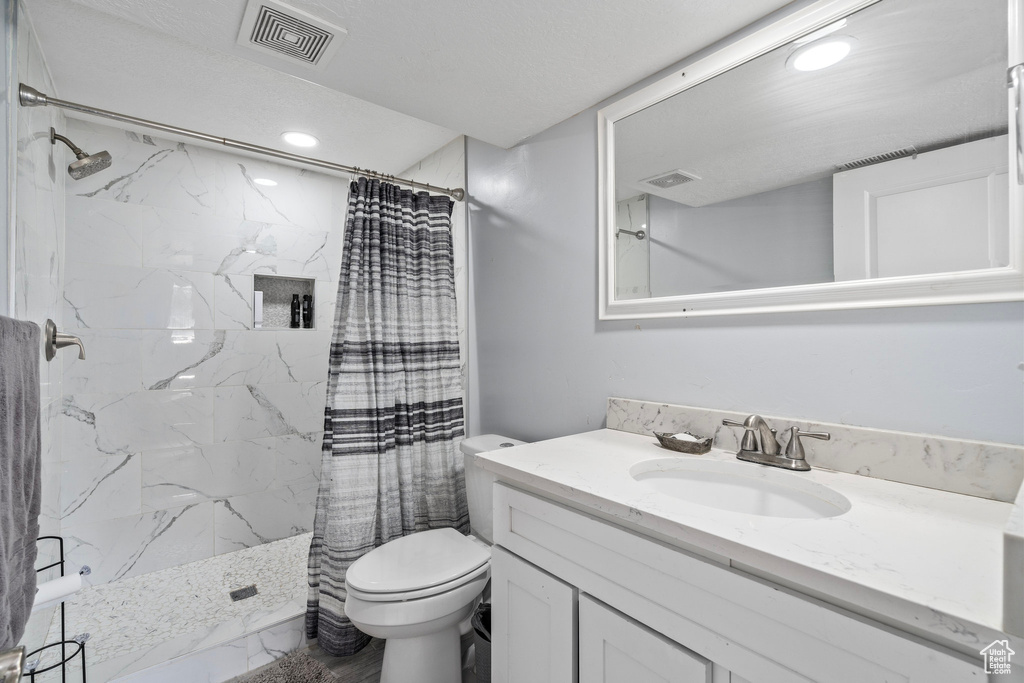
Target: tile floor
x,y
362,667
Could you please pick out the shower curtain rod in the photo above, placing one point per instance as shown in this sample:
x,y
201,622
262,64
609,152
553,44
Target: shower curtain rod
x,y
30,97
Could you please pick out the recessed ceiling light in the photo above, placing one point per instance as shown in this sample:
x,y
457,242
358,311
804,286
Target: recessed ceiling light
x,y
299,139
821,53
265,181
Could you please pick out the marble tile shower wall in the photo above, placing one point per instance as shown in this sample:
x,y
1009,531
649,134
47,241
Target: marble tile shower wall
x,y
38,274
187,433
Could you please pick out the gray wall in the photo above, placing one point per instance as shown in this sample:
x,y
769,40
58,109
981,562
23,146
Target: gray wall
x,y
544,364
772,239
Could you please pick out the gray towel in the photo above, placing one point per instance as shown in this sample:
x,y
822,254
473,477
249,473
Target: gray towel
x,y
19,475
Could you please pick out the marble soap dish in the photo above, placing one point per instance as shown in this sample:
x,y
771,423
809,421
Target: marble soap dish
x,y
684,442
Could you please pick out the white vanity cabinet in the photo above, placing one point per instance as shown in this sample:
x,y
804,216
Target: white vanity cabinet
x,y
535,620
578,598
614,648
536,623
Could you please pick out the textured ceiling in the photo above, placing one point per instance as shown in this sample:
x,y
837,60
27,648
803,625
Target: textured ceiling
x,y
497,71
115,65
925,73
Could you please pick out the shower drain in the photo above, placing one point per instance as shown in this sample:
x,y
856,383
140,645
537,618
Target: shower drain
x,y
243,593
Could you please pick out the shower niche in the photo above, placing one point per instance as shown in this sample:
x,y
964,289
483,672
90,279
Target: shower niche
x,y
273,298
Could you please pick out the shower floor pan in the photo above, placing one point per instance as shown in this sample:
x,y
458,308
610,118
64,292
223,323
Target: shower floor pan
x,y
182,624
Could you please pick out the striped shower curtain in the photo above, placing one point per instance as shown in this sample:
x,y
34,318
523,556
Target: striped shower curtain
x,y
394,398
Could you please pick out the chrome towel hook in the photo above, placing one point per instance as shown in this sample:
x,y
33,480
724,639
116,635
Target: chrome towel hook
x,y
53,340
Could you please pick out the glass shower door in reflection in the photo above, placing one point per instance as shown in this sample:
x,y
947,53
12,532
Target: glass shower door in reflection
x,y
632,249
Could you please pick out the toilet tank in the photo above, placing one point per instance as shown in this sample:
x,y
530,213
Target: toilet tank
x,y
480,483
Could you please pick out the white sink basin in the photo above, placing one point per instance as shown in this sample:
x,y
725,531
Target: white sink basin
x,y
740,487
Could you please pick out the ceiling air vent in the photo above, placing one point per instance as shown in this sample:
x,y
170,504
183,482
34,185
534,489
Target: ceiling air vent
x,y
276,28
670,179
878,158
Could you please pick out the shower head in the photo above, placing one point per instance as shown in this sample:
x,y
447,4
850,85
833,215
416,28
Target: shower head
x,y
87,164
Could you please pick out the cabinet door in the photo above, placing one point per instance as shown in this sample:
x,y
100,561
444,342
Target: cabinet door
x,y
616,649
533,623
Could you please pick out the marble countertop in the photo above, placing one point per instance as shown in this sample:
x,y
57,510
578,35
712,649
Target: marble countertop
x,y
927,561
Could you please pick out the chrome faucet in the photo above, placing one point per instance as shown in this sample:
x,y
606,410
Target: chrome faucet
x,y
766,450
769,444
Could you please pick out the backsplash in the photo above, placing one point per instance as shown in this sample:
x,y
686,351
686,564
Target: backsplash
x,y
974,468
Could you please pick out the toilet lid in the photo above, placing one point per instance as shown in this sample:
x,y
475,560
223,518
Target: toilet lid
x,y
415,562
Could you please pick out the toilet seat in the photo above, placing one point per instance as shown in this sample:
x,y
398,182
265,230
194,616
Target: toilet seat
x,y
417,566
404,596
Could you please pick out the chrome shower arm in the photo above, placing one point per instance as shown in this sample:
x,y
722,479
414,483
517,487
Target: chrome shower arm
x,y
639,234
54,136
87,164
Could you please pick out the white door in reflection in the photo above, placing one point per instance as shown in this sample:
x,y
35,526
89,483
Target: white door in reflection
x,y
941,212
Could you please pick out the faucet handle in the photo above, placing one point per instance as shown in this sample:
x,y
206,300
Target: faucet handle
x,y
795,449
749,442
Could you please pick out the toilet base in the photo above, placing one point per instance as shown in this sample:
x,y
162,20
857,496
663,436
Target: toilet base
x,y
432,658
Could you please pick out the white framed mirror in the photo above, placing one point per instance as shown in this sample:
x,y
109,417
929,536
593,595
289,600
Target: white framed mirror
x,y
756,180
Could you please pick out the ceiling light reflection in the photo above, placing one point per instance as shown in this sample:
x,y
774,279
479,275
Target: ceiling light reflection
x,y
821,54
298,139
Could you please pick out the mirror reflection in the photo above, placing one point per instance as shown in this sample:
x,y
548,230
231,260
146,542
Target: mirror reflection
x,y
875,147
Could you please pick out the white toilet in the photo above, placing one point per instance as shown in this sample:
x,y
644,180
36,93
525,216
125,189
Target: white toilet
x,y
416,590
